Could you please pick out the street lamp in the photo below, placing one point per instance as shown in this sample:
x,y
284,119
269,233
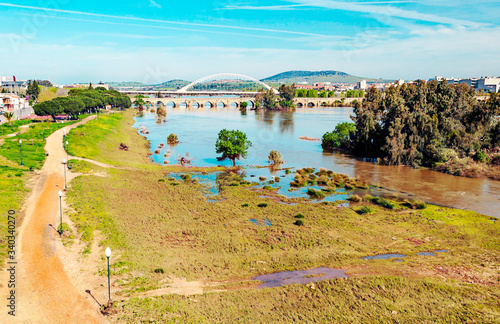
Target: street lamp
x,y
67,156
64,164
108,254
60,212
64,133
21,150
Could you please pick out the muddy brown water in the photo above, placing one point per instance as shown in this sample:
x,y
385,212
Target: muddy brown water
x,y
198,128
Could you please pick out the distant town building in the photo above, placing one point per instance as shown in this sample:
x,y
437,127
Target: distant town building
x,y
11,102
85,86
11,83
362,85
400,82
485,84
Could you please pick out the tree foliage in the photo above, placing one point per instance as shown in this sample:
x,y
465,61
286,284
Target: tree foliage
x,y
8,115
424,123
80,100
340,138
33,90
232,144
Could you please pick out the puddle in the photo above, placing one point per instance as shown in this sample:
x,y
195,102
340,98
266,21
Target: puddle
x,y
426,253
384,256
265,222
299,277
442,251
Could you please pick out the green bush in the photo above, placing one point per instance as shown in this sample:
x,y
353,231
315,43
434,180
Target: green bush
x,y
262,205
315,193
159,270
245,205
299,222
366,210
299,215
172,139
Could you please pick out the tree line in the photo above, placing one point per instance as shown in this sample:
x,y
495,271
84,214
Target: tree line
x,y
81,100
421,124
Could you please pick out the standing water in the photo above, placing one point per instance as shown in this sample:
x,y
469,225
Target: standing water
x,y
296,135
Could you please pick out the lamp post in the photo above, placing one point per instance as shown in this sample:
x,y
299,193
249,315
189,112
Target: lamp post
x,y
60,212
64,165
67,156
108,254
21,150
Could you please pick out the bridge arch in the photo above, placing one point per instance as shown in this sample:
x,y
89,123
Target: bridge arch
x,y
221,76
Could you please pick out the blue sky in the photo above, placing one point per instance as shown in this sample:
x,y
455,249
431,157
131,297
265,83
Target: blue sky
x,y
152,41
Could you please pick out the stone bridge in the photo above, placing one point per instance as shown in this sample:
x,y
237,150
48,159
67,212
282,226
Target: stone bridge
x,y
236,102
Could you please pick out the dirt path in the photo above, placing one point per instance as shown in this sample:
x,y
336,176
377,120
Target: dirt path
x,y
45,293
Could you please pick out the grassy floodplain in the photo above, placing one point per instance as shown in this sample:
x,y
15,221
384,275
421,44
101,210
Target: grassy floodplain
x,y
162,229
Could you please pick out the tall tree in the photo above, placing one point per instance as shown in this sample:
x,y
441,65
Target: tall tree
x,y
232,144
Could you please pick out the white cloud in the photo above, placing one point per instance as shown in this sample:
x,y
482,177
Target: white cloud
x,y
449,52
46,12
152,3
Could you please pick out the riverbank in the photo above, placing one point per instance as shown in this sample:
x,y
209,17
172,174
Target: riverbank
x,y
162,230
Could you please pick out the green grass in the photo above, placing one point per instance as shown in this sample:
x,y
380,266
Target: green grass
x,y
12,191
98,140
33,144
154,225
13,127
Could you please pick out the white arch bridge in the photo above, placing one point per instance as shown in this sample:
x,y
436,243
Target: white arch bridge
x,y
224,77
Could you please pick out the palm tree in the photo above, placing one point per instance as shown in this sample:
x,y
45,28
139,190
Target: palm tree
x,y
8,116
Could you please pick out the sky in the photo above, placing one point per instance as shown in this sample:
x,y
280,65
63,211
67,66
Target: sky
x,y
153,41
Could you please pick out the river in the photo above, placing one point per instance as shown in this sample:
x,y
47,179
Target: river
x,y
197,130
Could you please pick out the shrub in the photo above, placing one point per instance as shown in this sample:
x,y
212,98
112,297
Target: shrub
x,y
262,205
275,157
186,177
366,210
159,270
172,139
299,222
355,198
368,197
419,204
315,193
385,203
299,215
245,205
288,171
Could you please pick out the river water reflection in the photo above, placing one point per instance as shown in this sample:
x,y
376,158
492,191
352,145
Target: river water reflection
x,y
197,130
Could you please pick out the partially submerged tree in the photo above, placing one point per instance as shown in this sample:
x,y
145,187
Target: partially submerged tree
x,y
232,144
275,158
340,138
139,102
172,139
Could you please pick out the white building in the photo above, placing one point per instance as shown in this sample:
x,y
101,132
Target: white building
x,y
362,85
11,83
486,84
11,102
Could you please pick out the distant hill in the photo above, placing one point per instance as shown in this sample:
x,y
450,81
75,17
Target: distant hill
x,y
317,77
125,84
172,84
